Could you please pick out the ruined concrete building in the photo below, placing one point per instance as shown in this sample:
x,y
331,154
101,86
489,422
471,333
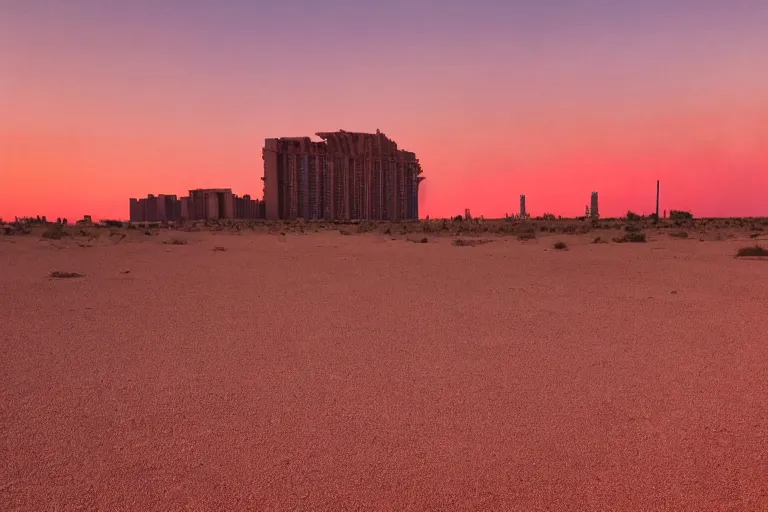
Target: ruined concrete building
x,y
201,204
594,211
347,175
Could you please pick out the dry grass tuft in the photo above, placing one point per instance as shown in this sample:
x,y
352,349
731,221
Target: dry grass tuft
x,y
599,240
560,246
756,251
218,248
176,241
57,274
344,232
462,242
422,240
55,232
527,236
631,238
679,234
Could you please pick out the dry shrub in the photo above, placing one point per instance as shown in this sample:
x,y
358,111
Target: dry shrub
x,y
560,246
344,232
422,240
461,242
218,248
756,251
527,236
57,274
176,241
679,234
631,238
54,232
365,227
599,240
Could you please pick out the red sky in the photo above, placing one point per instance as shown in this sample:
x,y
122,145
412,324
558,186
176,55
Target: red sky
x,y
103,101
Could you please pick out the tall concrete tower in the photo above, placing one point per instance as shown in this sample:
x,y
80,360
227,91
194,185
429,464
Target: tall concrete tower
x,y
594,212
522,206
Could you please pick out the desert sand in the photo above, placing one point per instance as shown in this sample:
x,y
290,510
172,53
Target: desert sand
x,y
317,371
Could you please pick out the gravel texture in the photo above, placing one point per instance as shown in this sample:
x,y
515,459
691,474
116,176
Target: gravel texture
x,y
328,372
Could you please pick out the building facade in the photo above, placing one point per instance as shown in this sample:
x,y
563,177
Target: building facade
x,y
200,204
346,176
594,212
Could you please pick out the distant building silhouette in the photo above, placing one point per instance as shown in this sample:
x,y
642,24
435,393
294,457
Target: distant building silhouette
x,y
349,175
522,206
201,204
594,212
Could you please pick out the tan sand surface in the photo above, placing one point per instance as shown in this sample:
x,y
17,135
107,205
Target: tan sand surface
x,y
330,372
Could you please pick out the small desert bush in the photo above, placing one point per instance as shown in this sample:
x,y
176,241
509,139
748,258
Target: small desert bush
x,y
365,227
218,248
752,252
422,240
57,274
560,246
679,234
680,215
55,232
526,236
631,238
462,242
599,240
344,232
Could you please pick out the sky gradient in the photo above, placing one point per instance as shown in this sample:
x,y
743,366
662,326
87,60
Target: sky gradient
x,y
105,100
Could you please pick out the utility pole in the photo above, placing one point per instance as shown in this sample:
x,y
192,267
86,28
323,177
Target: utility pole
x,y
657,200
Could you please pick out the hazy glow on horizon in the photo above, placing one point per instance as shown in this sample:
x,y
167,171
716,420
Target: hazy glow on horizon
x,y
101,101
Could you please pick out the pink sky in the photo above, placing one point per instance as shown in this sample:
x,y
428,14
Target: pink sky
x,y
99,104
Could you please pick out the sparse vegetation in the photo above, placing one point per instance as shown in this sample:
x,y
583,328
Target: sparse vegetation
x,y
176,241
54,232
422,240
679,234
631,238
680,215
560,246
462,242
527,236
57,274
755,251
344,232
219,248
599,240
632,215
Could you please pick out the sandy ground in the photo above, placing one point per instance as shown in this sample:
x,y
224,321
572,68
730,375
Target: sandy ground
x,y
330,372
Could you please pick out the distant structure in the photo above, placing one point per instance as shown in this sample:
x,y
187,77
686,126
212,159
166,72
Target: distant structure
x,y
160,208
201,204
522,206
594,212
348,175
657,200
467,215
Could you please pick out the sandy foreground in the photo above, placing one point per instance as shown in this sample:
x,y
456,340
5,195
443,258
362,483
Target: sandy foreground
x,y
328,372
